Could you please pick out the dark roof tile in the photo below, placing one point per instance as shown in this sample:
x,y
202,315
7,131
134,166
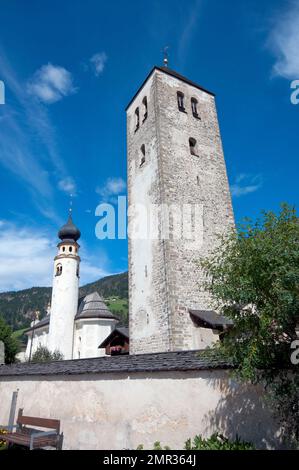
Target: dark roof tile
x,y
211,318
93,306
168,361
121,330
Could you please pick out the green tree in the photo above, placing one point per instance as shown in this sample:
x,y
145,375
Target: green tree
x,y
254,279
11,345
42,354
217,442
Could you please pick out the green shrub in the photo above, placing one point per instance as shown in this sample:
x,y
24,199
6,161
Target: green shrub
x,y
42,354
217,442
11,345
157,446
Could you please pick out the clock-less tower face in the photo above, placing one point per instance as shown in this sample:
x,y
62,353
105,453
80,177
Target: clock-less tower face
x,y
65,291
175,161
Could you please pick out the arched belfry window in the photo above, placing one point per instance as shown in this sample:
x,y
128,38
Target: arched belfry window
x,y
58,270
193,146
194,107
137,119
144,102
180,98
142,154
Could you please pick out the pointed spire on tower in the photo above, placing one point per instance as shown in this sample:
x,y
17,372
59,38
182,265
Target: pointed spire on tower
x,y
69,231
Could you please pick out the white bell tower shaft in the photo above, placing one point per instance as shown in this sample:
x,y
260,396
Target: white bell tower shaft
x,y
65,291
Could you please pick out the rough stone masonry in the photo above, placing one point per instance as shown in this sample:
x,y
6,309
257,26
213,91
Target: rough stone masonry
x,y
175,157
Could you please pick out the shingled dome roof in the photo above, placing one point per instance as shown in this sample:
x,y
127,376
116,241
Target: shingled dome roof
x,y
69,231
93,306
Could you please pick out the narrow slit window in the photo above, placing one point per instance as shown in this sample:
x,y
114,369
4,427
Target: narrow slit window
x,y
144,102
137,119
58,270
193,146
142,155
194,107
180,98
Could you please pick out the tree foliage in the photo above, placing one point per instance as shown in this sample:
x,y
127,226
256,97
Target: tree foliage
x,y
11,345
254,279
217,442
42,354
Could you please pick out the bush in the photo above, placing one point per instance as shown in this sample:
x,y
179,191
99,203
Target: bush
x,y
10,343
2,442
217,442
42,354
157,446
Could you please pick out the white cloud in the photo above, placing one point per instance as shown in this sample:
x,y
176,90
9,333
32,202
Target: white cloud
x,y
67,185
24,129
98,62
90,272
284,42
26,259
188,30
246,184
112,187
51,83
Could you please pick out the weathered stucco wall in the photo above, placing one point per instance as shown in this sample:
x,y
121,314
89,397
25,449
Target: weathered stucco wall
x,y
121,411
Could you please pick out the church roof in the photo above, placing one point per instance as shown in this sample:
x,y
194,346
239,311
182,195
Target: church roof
x,y
156,362
90,306
69,231
45,321
122,331
93,306
211,318
174,74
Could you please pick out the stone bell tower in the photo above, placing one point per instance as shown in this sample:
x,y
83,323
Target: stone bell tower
x,y
65,292
175,160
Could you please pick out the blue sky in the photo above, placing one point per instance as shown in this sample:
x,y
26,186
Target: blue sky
x,y
70,67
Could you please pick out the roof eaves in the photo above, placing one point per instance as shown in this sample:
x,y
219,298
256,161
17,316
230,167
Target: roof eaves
x,y
171,73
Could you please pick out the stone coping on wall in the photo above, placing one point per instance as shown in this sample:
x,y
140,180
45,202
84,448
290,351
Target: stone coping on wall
x,y
166,361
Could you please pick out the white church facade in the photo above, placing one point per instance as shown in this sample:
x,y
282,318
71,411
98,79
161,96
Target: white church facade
x,y
73,326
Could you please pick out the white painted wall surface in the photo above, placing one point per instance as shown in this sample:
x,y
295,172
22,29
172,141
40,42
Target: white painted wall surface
x,y
40,338
120,411
64,306
89,334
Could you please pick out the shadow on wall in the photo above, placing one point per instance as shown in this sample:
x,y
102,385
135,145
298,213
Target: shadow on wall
x,y
242,410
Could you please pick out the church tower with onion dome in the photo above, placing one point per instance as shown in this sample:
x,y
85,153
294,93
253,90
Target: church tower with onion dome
x,y
65,292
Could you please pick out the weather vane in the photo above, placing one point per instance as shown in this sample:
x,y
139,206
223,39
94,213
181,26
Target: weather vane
x,y
165,54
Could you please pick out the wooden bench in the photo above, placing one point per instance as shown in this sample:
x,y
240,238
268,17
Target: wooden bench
x,y
35,438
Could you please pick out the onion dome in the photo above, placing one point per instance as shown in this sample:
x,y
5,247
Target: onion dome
x,y
69,231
